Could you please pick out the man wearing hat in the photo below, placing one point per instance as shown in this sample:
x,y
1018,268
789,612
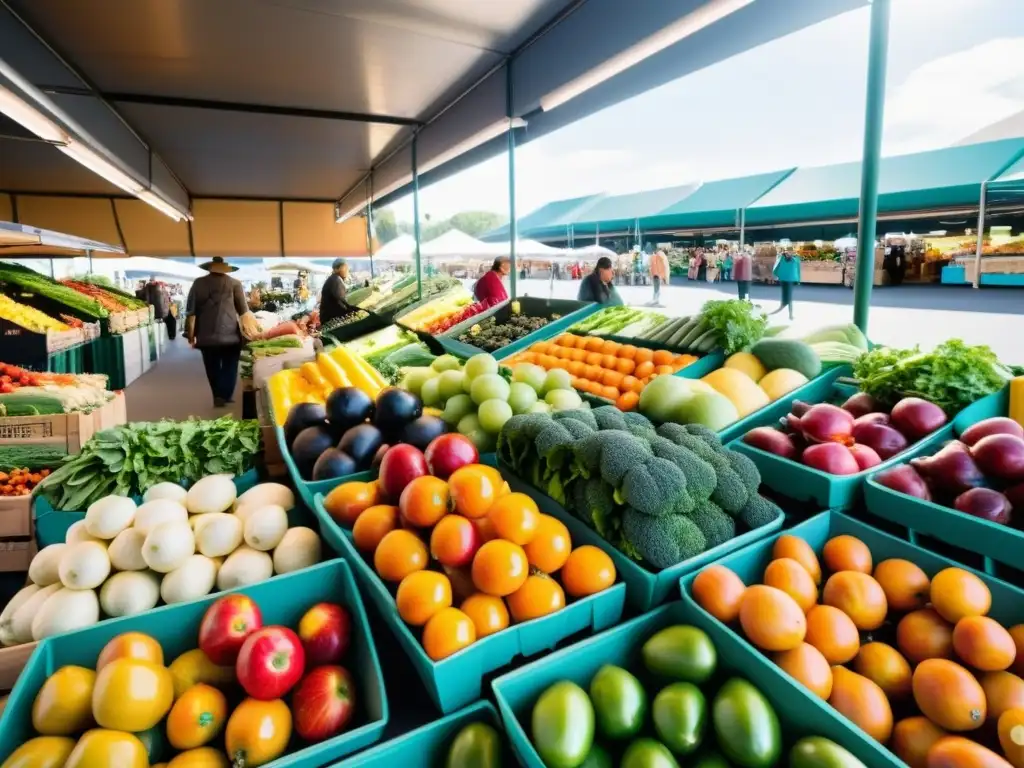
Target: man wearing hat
x,y
215,304
332,296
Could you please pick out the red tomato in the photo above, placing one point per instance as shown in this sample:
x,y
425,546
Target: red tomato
x,y
225,626
270,663
326,631
324,703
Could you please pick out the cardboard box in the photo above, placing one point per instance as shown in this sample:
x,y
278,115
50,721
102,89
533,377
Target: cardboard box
x,y
16,554
12,661
69,431
15,516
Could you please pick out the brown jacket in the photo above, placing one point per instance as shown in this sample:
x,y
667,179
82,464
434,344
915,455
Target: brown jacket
x,y
215,302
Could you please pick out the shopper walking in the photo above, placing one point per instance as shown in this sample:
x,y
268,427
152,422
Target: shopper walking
x,y
727,267
787,271
702,266
490,289
597,286
743,268
154,294
215,304
332,296
659,274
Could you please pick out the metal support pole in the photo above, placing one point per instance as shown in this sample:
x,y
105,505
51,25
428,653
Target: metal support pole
x,y
878,54
743,226
597,234
369,224
981,234
89,254
513,226
416,219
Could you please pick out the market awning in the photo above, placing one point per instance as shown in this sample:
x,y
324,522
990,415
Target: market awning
x,y
618,213
941,179
1008,187
553,216
21,241
147,265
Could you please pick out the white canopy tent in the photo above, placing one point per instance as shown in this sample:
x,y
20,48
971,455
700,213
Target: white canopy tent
x,y
455,243
297,265
591,253
401,250
160,267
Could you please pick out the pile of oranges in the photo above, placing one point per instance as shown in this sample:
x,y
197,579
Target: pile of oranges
x,y
467,541
604,368
915,662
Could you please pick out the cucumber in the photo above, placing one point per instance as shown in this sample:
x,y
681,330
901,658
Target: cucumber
x,y
706,341
674,330
686,342
666,329
676,340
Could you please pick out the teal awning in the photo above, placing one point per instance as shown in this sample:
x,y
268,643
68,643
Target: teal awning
x,y
1008,187
548,220
715,204
617,213
944,178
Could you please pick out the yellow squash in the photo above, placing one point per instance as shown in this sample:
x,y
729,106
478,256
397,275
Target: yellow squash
x,y
132,695
63,706
108,748
41,752
1017,400
332,371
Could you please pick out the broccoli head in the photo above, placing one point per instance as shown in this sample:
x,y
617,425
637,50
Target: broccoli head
x,y
660,541
709,436
677,434
592,502
700,476
717,526
578,429
517,436
746,469
609,455
655,487
759,511
639,425
730,493
610,417
582,415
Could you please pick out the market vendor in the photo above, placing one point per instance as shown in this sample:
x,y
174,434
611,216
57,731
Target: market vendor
x,y
215,304
490,289
597,286
332,295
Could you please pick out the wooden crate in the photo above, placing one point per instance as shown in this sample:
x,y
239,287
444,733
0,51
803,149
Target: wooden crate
x,y
12,662
68,431
15,516
16,554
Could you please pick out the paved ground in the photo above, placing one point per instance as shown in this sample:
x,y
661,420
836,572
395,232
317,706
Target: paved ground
x,y
903,316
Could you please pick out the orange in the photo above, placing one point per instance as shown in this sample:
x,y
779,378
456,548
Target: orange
x,y
789,576
861,701
632,383
628,401
539,596
550,546
904,583
797,549
663,357
643,369
474,488
258,731
131,645
982,643
624,366
644,355
627,351
1017,633
663,370
719,591
610,393
422,594
448,631
833,633
846,553
594,358
197,717
373,525
1011,736
610,347
424,501
576,369
454,541
956,593
515,518
858,596
912,738
771,619
587,571
883,665
594,344
611,378
346,502
541,347
566,340
487,612
399,554
578,356
924,635
958,752
1003,691
608,362
593,373
500,568
949,696
807,666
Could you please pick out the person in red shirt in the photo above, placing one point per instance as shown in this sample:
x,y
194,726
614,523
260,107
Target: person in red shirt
x,y
490,289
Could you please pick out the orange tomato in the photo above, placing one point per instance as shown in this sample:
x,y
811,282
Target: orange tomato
x,y
610,347
611,378
628,401
258,732
399,554
630,383
662,357
625,366
197,717
424,501
515,518
578,355
576,369
566,340
608,362
454,541
448,632
610,393
627,352
539,596
592,372
346,502
643,355
487,612
500,568
204,757
131,645
644,369
485,529
594,358
587,571
550,546
541,348
372,525
594,344
473,489
421,595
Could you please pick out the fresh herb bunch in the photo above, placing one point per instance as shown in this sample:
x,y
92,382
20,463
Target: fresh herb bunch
x,y
128,459
953,375
737,324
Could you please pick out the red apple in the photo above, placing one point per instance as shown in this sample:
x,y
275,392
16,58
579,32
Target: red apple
x,y
225,626
400,466
270,663
447,453
324,703
325,630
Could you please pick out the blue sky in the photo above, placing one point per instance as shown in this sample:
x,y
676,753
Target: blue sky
x,y
955,66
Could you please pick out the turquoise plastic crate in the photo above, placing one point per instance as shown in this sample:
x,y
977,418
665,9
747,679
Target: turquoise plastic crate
x,y
282,600
52,525
517,691
749,565
458,680
426,747
802,483
645,589
994,542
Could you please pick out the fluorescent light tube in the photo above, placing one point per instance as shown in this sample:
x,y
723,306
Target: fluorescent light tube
x,y
101,166
704,16
30,118
480,137
161,205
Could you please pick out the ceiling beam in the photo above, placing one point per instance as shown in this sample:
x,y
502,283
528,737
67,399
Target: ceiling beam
x,y
181,102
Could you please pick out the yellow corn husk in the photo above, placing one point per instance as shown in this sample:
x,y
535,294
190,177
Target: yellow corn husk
x,y
311,373
1017,400
350,365
332,372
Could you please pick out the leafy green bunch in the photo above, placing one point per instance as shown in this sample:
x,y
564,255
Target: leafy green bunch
x,y
737,324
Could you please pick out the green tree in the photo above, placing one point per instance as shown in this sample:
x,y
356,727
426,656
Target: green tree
x,y
476,223
385,227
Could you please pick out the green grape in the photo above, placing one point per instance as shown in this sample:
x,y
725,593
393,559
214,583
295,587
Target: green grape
x,y
446,363
521,397
493,414
490,386
456,408
563,399
480,365
451,383
430,392
556,379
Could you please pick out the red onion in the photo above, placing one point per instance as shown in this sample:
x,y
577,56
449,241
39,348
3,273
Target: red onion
x,y
1015,495
866,457
916,418
872,418
833,458
772,441
984,503
860,404
886,441
825,423
798,408
1000,457
950,471
904,479
999,425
